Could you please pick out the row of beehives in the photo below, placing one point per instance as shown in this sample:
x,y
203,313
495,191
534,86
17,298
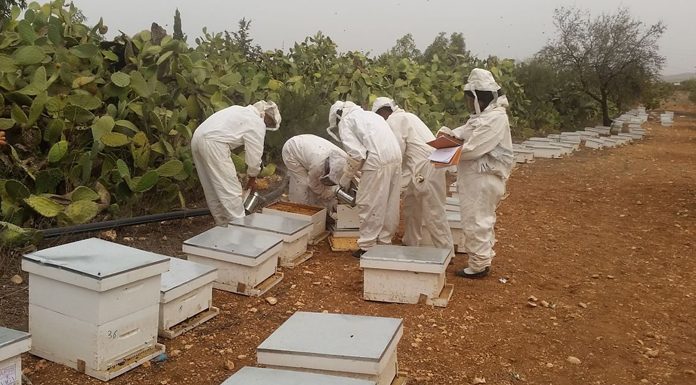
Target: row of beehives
x,y
565,143
98,306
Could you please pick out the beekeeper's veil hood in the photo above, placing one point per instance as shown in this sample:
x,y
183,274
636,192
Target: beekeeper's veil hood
x,y
270,109
333,168
383,102
335,113
481,80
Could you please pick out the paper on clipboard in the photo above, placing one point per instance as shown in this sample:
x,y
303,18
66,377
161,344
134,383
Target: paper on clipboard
x,y
443,155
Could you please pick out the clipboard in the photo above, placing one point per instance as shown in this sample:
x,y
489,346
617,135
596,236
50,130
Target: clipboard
x,y
445,141
448,151
446,157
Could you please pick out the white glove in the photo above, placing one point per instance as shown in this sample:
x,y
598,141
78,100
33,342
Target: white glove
x,y
445,130
351,168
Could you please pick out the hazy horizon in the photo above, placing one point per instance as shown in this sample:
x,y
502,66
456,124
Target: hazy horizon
x,y
507,28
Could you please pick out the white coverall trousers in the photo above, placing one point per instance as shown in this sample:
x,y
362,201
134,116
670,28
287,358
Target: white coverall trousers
x,y
424,206
479,195
299,190
378,205
218,176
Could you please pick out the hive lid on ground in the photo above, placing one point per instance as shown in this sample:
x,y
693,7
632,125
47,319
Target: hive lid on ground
x,y
235,240
10,336
276,223
262,376
96,259
360,338
182,272
409,254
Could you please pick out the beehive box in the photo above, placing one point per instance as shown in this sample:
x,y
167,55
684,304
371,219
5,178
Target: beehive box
x,y
455,223
335,344
294,232
12,344
405,274
347,217
544,150
186,297
265,376
316,215
246,259
596,143
93,305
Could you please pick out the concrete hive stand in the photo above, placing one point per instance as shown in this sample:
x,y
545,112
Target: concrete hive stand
x,y
316,215
263,376
246,259
12,344
405,274
93,306
295,234
186,297
335,344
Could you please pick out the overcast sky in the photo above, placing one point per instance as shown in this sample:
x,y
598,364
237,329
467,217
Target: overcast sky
x,y
506,28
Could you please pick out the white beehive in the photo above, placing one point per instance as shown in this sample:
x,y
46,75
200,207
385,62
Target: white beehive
x,y
405,274
344,345
316,215
596,143
12,344
454,218
264,376
295,233
347,217
452,204
186,297
544,150
93,305
246,259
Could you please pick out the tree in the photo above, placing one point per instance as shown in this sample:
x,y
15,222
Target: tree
x,y
405,47
600,54
242,40
178,33
6,7
452,50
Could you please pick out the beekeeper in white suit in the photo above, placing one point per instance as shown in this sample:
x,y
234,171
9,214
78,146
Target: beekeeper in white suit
x,y
484,167
425,196
315,166
212,145
373,150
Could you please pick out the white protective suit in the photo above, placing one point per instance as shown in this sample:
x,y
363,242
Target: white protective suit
x,y
212,144
373,149
425,196
484,167
305,157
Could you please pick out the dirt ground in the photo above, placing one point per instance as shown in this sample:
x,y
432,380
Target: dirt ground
x,y
607,238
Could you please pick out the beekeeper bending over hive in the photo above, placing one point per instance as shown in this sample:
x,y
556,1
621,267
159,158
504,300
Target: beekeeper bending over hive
x,y
483,169
425,196
212,145
373,150
315,166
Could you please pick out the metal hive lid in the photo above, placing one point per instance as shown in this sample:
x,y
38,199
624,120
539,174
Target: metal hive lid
x,y
269,222
235,240
95,258
182,272
10,336
334,335
262,376
409,254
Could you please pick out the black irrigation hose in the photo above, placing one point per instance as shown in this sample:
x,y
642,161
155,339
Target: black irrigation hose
x,y
144,219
